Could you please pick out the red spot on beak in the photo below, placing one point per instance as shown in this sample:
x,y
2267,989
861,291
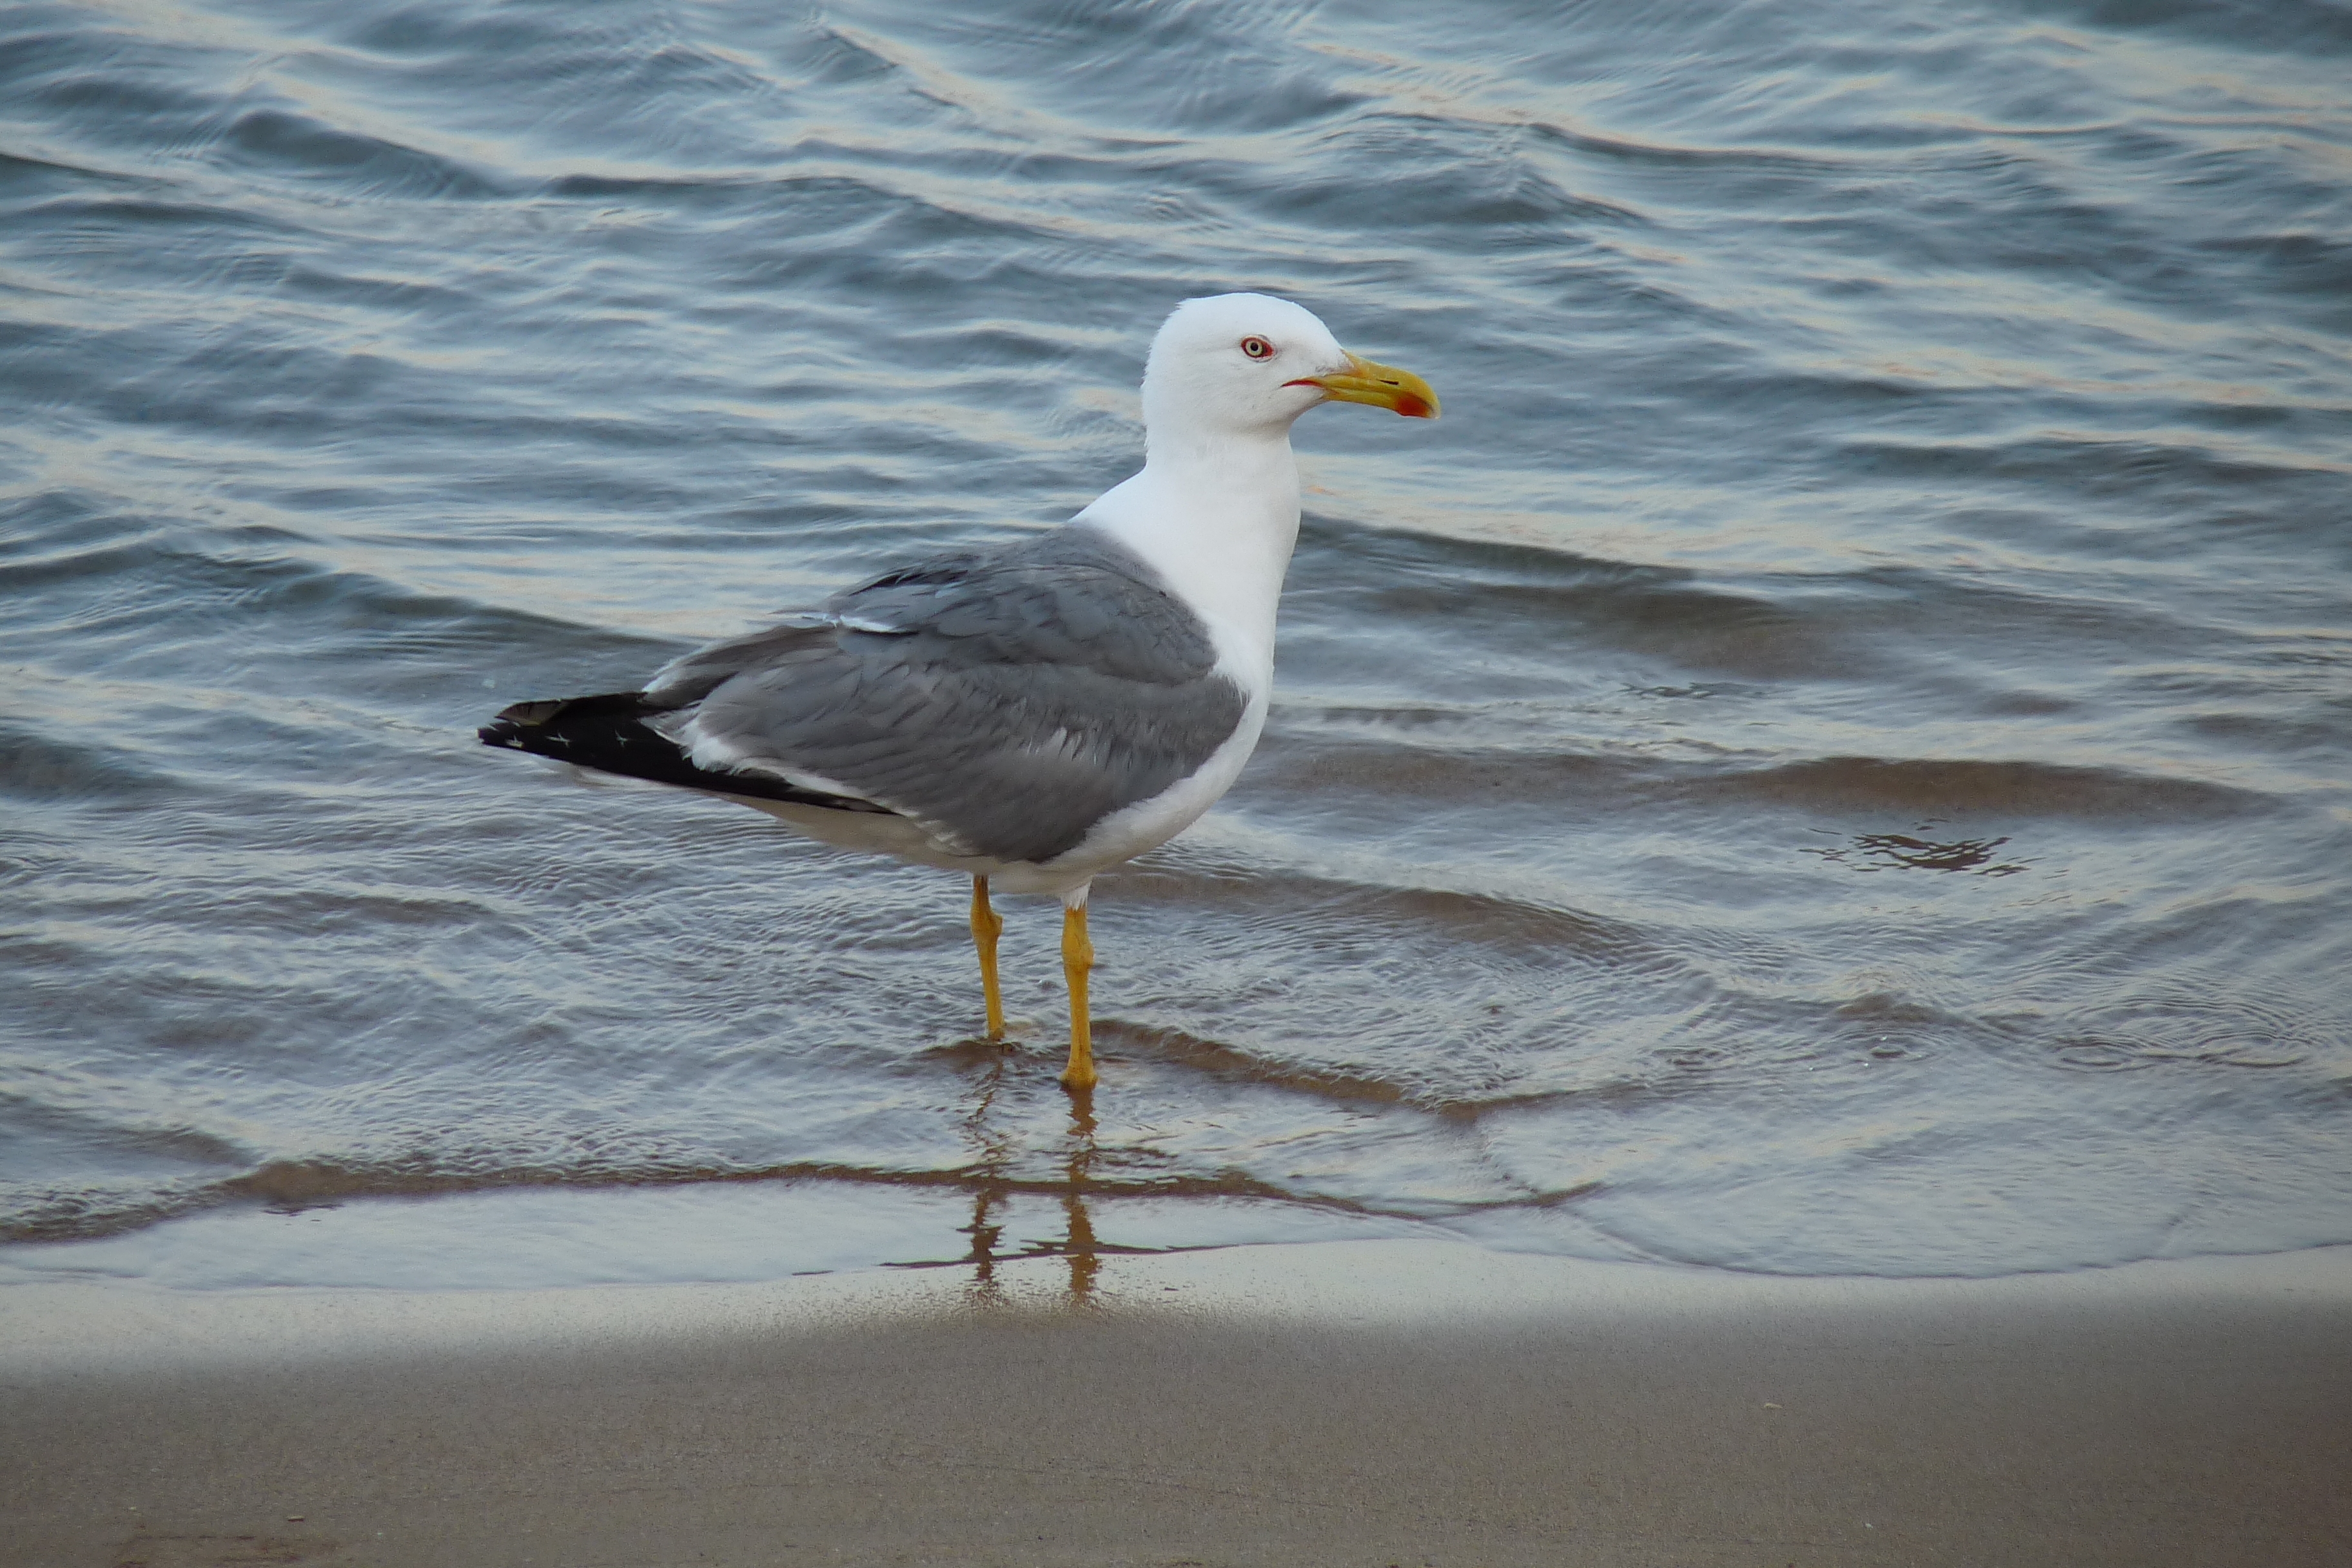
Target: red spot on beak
x,y
1412,408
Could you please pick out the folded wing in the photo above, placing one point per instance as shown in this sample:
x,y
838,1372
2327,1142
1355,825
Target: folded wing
x,y
1005,700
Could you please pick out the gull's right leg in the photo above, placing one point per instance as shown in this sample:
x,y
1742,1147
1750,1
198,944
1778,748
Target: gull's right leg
x,y
1078,958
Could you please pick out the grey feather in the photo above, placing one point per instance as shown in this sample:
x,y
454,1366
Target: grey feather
x,y
1006,699
693,677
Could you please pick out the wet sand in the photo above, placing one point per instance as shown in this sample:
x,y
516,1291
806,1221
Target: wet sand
x,y
1349,1404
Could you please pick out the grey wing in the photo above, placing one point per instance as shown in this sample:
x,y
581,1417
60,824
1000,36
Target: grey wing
x,y
1007,701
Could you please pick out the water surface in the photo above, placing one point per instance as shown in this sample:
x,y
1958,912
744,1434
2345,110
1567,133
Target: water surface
x,y
1831,757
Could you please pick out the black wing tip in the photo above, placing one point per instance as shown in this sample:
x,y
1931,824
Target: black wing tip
x,y
507,729
615,740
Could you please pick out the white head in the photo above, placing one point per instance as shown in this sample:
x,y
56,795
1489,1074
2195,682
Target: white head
x,y
1246,365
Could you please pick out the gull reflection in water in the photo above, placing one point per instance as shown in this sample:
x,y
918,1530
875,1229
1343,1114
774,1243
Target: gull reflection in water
x,y
996,1154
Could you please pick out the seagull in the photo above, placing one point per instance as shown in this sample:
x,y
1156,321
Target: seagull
x,y
1033,714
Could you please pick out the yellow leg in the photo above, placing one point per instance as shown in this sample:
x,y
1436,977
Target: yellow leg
x,y
986,927
1077,957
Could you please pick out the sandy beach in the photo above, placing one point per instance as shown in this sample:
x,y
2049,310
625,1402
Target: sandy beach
x,y
1349,1404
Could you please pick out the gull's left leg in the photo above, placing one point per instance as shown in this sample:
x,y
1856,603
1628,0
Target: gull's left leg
x,y
987,925
1078,958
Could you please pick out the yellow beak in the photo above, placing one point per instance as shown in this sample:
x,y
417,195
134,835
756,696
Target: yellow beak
x,y
1383,386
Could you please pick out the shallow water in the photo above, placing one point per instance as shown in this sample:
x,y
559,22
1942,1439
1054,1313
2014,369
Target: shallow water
x,y
1831,757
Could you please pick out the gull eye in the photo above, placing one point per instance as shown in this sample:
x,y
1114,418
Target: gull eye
x,y
1257,347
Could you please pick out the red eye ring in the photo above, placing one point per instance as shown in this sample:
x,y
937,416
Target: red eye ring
x,y
1258,347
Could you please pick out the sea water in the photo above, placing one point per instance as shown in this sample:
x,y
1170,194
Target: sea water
x,y
1834,755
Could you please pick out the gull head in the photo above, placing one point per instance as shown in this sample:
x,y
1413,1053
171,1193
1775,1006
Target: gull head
x,y
1248,364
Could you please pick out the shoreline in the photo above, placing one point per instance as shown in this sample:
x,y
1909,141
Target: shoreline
x,y
1342,1402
